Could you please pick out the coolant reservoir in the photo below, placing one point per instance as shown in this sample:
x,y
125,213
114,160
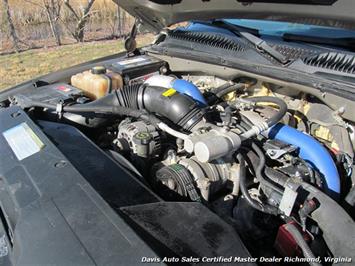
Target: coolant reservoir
x,y
97,82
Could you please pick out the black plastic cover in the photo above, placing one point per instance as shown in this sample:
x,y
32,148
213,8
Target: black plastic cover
x,y
53,93
110,179
189,229
50,215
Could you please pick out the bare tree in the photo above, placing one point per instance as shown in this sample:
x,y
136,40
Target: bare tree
x,y
12,31
81,19
119,21
123,22
52,9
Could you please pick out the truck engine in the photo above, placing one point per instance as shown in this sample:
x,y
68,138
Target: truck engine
x,y
272,161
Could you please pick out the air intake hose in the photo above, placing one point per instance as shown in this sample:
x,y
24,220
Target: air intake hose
x,y
135,100
179,108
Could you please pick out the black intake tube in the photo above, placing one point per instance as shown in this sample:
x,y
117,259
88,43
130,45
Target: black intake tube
x,y
138,101
103,106
179,108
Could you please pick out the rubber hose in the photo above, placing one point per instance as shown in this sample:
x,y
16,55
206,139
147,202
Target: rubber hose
x,y
243,188
229,89
259,170
297,236
280,103
216,93
222,87
91,108
241,80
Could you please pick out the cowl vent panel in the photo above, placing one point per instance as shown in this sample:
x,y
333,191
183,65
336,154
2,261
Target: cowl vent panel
x,y
294,52
333,61
212,40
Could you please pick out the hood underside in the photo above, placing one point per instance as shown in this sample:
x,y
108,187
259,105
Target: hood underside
x,y
157,14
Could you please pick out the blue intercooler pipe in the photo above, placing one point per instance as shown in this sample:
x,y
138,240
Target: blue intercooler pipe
x,y
186,87
180,85
312,152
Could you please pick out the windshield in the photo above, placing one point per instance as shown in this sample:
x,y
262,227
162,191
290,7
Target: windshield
x,y
273,28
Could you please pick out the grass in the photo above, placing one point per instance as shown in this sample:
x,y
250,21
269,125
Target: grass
x,y
16,68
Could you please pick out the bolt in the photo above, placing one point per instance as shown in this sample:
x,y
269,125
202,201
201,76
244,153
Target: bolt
x,y
272,152
60,164
228,197
16,114
341,110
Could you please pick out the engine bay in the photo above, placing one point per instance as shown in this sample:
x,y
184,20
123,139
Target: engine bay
x,y
273,161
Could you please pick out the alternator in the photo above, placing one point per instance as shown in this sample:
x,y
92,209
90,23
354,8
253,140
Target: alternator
x,y
138,137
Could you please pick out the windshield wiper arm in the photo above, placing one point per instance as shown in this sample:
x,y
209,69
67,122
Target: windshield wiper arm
x,y
259,43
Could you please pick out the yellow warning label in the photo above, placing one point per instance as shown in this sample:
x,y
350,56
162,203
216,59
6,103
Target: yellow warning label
x,y
169,92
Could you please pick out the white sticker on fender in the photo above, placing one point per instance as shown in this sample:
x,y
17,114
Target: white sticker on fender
x,y
23,141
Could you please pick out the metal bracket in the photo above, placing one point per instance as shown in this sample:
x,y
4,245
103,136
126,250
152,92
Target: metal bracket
x,y
59,109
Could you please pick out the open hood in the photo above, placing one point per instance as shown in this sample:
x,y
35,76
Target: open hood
x,y
157,14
